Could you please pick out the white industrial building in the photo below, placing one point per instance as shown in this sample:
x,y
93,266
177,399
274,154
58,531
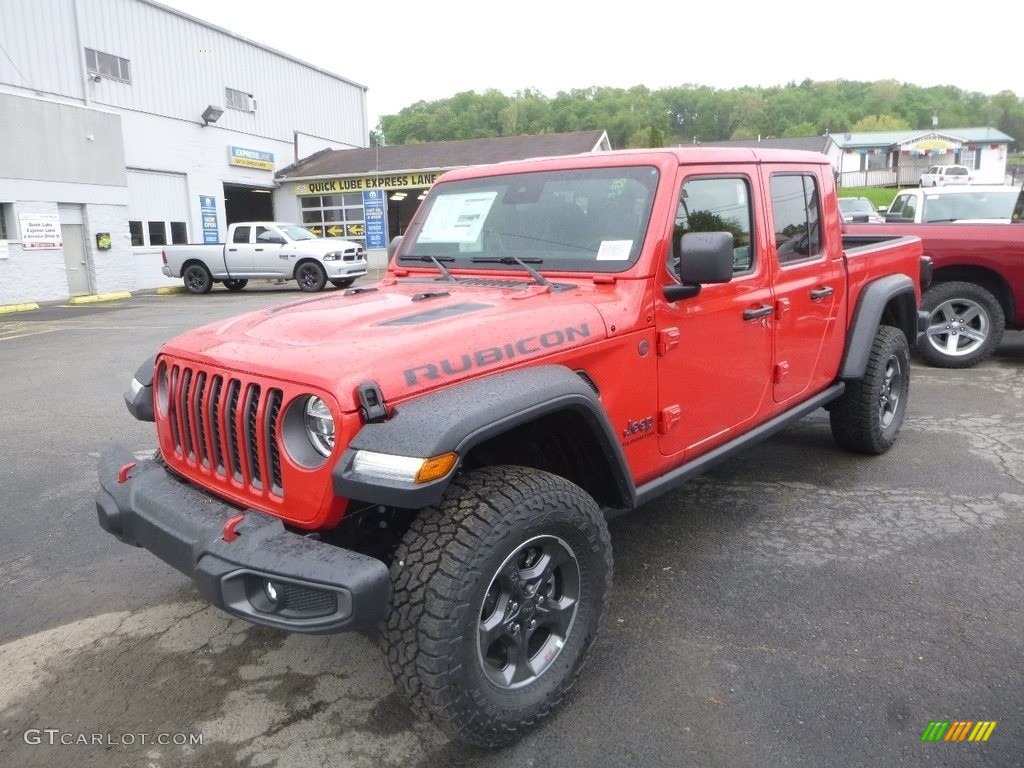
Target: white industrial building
x,y
126,125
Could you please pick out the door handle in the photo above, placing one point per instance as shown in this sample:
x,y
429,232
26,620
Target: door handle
x,y
820,293
259,249
232,249
762,311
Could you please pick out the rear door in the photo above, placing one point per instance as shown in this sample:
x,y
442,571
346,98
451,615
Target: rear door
x,y
715,349
809,282
238,253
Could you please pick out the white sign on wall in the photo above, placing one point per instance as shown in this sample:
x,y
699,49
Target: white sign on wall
x,y
40,231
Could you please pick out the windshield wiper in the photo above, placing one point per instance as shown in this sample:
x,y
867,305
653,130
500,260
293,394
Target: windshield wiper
x,y
436,260
538,278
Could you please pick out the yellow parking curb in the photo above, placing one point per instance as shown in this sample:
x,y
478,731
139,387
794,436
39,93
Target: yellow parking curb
x,y
99,297
164,290
6,309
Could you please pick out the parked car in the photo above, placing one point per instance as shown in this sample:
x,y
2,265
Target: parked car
x,y
266,249
859,210
556,341
945,176
978,203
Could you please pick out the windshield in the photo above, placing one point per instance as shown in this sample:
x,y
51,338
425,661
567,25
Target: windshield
x,y
591,219
976,204
855,205
295,232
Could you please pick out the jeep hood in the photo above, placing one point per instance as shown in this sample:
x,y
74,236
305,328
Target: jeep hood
x,y
407,338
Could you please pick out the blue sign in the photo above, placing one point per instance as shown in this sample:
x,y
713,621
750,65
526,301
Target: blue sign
x,y
376,219
208,212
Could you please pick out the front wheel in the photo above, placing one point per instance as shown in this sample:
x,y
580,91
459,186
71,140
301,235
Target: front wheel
x,y
197,278
498,593
342,282
868,416
965,325
235,285
311,276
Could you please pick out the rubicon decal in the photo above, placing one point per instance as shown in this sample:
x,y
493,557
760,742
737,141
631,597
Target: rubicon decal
x,y
959,730
482,358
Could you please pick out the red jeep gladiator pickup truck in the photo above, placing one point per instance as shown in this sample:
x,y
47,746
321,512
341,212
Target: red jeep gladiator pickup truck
x,y
555,342
978,288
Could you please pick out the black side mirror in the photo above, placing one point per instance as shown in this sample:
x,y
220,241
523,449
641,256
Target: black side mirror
x,y
701,257
393,245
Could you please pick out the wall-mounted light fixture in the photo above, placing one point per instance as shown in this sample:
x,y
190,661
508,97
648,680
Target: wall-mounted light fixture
x,y
211,114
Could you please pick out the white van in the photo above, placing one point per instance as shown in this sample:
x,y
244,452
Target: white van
x,y
945,175
974,203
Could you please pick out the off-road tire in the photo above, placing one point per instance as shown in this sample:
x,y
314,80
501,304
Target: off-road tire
x,y
310,276
868,416
960,306
235,285
342,282
197,278
448,564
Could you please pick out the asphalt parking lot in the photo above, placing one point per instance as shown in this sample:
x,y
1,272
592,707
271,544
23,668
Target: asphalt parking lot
x,y
797,606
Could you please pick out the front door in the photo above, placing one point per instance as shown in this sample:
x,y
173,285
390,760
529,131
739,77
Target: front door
x,y
239,256
809,283
268,246
76,264
715,349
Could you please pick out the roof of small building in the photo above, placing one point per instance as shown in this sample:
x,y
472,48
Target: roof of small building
x,y
443,154
984,135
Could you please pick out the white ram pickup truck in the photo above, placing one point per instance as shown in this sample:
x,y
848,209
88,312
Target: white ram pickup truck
x,y
266,249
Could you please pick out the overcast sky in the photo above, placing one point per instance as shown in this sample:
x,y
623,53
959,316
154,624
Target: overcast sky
x,y
412,51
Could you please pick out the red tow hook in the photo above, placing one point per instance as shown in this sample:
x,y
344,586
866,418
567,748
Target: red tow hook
x,y
230,528
122,473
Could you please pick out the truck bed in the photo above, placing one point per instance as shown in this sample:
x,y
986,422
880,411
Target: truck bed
x,y
986,253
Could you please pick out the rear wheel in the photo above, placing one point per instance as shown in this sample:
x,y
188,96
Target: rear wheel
x,y
311,276
965,325
197,278
867,418
497,596
342,282
235,285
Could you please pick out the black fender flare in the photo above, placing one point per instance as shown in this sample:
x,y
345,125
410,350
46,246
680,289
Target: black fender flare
x,y
867,317
139,400
461,416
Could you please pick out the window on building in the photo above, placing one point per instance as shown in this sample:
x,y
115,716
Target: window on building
x,y
135,229
158,233
336,216
179,233
108,65
240,100
718,205
4,208
796,215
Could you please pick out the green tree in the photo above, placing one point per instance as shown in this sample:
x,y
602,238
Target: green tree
x,y
880,123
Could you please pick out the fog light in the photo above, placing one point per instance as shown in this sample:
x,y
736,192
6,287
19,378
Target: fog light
x,y
270,591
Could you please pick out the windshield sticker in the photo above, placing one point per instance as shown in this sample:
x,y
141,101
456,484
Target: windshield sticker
x,y
614,250
457,218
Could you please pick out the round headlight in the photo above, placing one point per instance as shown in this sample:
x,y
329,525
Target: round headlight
x,y
319,425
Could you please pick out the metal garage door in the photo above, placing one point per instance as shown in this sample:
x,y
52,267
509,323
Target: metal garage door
x,y
157,207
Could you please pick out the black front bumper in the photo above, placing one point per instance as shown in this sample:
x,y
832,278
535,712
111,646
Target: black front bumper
x,y
317,587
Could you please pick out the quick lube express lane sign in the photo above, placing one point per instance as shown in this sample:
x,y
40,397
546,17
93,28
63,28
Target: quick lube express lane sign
x,y
360,183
